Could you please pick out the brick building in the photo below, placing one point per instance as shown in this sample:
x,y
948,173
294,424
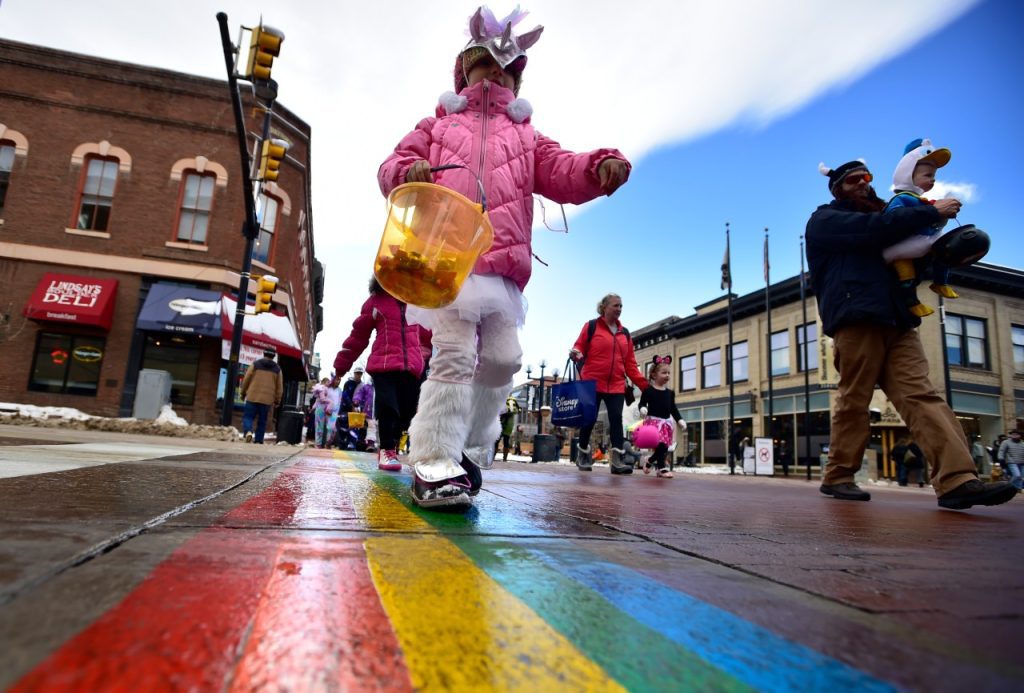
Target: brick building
x,y
121,207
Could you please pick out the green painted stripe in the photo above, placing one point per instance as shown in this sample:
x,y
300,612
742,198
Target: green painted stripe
x,y
638,657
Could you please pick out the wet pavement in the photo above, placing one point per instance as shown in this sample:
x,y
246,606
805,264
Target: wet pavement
x,y
240,567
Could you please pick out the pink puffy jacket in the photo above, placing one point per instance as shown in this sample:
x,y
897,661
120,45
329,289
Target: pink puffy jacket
x,y
513,160
398,345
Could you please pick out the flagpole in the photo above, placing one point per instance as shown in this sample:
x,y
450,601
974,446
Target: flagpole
x,y
729,374
807,371
768,312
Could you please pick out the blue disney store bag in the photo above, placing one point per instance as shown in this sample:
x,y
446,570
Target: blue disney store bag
x,y
573,401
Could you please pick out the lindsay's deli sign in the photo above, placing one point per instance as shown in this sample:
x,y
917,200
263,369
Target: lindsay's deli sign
x,y
69,298
70,293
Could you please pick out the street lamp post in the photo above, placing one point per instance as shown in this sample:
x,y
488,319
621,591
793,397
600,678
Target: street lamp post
x,y
540,401
529,386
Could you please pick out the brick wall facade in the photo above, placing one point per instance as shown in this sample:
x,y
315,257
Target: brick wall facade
x,y
62,103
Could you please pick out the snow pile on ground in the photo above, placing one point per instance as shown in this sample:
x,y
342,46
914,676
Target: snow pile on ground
x,y
167,416
167,424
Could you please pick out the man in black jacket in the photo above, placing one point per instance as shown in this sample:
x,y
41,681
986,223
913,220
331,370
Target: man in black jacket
x,y
876,342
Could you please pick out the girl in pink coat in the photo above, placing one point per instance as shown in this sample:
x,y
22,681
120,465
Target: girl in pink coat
x,y
482,131
396,364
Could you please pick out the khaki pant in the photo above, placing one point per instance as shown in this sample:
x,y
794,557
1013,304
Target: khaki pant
x,y
866,355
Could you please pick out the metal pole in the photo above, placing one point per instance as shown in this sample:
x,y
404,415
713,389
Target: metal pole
x,y
807,371
249,226
945,352
768,313
728,372
540,407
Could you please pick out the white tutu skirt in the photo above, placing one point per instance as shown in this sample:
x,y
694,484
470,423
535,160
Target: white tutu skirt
x,y
481,295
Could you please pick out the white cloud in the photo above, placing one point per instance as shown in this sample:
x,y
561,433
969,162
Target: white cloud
x,y
965,192
637,76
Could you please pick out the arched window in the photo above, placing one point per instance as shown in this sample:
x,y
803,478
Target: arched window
x,y
194,209
6,164
268,213
96,197
12,144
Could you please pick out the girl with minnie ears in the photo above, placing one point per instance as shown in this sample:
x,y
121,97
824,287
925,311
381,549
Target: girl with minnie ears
x,y
658,407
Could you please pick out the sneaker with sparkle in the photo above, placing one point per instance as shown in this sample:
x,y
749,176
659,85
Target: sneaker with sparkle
x,y
388,461
436,494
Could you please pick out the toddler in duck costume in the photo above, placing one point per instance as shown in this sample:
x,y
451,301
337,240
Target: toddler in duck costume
x,y
914,176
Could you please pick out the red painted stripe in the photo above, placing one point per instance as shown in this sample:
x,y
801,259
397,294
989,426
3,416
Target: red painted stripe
x,y
242,609
321,626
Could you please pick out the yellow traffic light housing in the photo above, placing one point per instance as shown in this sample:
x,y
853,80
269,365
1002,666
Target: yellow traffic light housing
x,y
270,159
265,288
264,46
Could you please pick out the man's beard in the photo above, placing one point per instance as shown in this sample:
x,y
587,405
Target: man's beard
x,y
869,204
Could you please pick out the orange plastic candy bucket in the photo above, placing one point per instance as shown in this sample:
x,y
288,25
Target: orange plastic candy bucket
x,y
356,419
432,239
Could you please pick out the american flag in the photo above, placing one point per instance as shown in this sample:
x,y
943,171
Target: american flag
x,y
726,273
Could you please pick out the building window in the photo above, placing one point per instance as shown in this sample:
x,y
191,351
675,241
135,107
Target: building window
x,y
1017,334
965,341
780,353
97,194
6,164
267,213
196,202
179,356
67,364
712,363
740,362
688,373
811,329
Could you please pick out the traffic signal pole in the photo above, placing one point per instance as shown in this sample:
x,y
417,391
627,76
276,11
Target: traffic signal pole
x,y
250,226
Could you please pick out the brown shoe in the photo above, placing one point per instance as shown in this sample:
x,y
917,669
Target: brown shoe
x,y
845,491
977,493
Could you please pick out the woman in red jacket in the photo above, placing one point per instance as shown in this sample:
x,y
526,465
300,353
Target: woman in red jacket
x,y
397,362
606,349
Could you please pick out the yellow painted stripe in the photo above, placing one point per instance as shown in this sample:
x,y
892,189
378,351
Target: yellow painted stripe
x,y
458,628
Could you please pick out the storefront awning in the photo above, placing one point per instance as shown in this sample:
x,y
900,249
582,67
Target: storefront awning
x,y
182,310
74,299
263,331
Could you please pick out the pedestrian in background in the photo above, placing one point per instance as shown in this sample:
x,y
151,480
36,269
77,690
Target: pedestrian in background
x,y
396,363
262,388
606,351
863,309
1011,453
328,404
508,422
658,407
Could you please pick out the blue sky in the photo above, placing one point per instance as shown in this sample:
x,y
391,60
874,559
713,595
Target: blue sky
x,y
725,109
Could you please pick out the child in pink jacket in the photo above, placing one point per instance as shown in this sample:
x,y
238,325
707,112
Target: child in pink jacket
x,y
396,364
483,131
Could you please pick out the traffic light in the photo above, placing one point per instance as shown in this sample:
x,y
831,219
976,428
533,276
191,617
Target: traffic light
x,y
264,46
270,159
265,288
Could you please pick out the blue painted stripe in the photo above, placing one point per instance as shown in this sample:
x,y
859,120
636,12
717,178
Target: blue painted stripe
x,y
745,650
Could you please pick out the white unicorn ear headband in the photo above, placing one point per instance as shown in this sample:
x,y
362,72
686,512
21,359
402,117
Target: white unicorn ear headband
x,y
496,36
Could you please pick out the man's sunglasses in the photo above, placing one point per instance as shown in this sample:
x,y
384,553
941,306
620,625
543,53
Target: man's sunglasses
x,y
855,178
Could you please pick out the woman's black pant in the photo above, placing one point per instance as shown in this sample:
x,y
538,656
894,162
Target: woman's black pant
x,y
613,403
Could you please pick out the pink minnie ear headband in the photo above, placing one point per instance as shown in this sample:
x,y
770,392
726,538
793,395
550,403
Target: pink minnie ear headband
x,y
659,360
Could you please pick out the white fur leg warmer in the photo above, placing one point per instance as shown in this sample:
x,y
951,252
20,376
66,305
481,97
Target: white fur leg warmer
x,y
438,432
484,426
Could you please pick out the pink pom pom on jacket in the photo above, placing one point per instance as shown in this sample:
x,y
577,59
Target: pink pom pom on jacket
x,y
513,160
398,346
